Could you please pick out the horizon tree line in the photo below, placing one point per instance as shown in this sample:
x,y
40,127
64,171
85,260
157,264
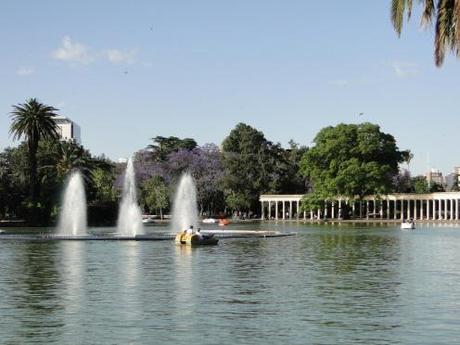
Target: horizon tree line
x,y
352,160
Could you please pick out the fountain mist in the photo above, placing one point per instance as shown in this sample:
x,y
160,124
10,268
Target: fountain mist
x,y
72,220
185,211
129,215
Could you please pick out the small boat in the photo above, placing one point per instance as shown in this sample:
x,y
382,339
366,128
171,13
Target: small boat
x,y
196,240
148,220
223,222
408,225
209,221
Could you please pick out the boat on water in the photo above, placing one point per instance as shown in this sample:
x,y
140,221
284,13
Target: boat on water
x,y
195,239
208,221
408,225
147,221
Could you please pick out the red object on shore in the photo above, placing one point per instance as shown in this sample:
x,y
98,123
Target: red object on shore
x,y
223,222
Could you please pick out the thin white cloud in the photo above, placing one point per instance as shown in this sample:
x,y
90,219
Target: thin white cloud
x,y
73,52
116,56
405,69
78,53
25,71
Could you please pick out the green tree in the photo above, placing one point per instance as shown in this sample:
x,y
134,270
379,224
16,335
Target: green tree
x,y
249,162
102,181
420,185
33,121
163,146
155,194
443,14
436,187
351,160
13,181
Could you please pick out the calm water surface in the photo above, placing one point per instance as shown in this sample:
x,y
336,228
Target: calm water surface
x,y
327,285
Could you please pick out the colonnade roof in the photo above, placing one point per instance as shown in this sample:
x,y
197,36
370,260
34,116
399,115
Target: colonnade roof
x,y
395,196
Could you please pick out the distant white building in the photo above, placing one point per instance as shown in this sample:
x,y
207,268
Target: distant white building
x,y
434,175
68,130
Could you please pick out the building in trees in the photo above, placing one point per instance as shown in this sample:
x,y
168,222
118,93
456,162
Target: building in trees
x,y
68,130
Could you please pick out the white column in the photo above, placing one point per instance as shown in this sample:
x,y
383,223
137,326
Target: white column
x,y
456,209
395,208
298,209
402,208
333,209
367,209
269,210
388,208
445,209
439,209
290,209
353,209
421,210
433,209
415,209
408,209
319,213
276,210
381,209
311,215
428,208
284,209
340,215
262,213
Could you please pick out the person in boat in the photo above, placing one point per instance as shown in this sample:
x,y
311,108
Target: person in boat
x,y
203,236
189,230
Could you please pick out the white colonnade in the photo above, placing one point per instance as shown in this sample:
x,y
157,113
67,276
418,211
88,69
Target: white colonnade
x,y
434,206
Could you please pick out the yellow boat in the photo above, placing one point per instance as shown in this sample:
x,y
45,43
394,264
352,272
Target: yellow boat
x,y
195,239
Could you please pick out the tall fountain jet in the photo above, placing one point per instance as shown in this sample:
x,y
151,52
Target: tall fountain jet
x,y
129,215
185,212
73,219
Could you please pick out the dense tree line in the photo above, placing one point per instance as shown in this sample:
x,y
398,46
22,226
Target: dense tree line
x,y
32,174
227,179
347,160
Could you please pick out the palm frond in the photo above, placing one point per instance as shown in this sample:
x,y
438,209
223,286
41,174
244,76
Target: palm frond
x,y
445,30
429,12
457,26
398,8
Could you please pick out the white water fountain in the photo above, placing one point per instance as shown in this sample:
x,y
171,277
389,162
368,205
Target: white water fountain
x,y
73,219
129,215
185,212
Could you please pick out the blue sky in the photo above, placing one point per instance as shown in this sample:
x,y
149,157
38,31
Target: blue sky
x,y
127,71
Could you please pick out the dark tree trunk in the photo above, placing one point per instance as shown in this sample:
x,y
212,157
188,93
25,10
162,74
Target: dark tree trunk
x,y
33,172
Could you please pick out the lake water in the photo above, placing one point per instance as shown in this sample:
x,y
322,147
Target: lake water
x,y
327,285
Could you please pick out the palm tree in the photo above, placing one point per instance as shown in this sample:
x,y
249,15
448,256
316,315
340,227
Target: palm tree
x,y
446,17
33,121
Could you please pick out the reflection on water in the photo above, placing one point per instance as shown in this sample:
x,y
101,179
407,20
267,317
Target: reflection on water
x,y
31,305
72,266
327,285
